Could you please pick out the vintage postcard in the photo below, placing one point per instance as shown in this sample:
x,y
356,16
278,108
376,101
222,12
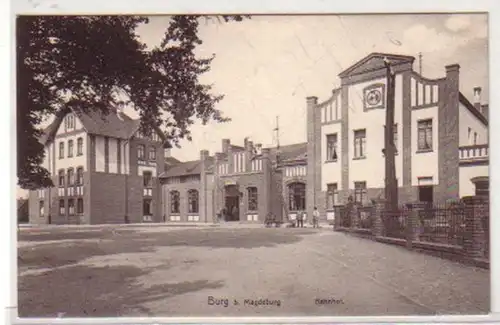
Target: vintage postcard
x,y
253,165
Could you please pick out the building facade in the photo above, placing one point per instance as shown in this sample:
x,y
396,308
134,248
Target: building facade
x,y
105,171
440,137
239,183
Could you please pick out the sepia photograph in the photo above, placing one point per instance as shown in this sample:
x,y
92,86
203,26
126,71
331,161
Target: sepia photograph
x,y
252,165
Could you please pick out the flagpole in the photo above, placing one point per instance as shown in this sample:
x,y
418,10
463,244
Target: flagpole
x,y
390,149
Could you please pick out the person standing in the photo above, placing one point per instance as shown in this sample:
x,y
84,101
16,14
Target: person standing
x,y
315,218
300,219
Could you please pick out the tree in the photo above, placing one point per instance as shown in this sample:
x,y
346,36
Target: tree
x,y
99,63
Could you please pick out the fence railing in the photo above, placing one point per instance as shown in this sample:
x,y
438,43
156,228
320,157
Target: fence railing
x,y
462,225
395,222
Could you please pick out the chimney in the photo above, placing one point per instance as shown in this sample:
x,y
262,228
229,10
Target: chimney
x,y
258,148
225,145
167,152
477,98
204,155
485,110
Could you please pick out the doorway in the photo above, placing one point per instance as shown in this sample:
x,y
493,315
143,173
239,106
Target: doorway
x,y
232,203
426,193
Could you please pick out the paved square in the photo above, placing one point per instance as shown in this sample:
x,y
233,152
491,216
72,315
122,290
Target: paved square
x,y
167,271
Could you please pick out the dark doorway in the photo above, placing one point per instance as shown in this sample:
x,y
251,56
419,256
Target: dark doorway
x,y
426,193
232,203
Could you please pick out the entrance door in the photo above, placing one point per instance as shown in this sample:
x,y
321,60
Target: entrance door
x,y
232,203
425,194
232,208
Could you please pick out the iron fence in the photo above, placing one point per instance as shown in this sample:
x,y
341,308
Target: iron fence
x,y
395,222
365,217
442,223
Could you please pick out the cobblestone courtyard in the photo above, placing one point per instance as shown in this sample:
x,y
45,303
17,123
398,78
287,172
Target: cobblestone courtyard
x,y
168,271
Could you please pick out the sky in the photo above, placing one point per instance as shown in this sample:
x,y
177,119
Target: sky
x,y
266,66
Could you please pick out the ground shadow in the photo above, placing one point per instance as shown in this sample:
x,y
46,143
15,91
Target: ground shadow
x,y
53,255
230,238
69,234
85,291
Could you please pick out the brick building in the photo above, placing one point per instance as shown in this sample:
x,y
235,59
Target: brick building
x,y
245,183
106,172
440,137
103,169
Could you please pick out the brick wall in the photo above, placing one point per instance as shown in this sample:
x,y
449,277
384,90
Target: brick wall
x,y
244,181
183,189
448,141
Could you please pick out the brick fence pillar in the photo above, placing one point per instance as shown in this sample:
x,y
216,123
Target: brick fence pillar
x,y
412,226
378,227
473,236
354,216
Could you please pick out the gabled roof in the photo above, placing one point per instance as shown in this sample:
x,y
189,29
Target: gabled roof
x,y
186,168
169,161
114,124
288,153
375,61
472,109
291,152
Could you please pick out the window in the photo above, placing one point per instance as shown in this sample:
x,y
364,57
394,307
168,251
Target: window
x,y
71,206
41,209
252,199
152,153
146,207
174,202
61,150
79,147
70,122
359,143
332,197
331,147
148,179
71,177
359,192
70,148
193,201
79,176
79,206
425,135
297,196
475,138
140,152
61,178
482,188
62,207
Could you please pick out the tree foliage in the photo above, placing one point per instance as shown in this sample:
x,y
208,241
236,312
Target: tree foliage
x,y
100,63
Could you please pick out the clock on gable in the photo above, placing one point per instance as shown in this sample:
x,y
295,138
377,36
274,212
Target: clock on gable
x,y
374,96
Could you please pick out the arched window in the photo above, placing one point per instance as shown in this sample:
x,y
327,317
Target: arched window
x,y
253,202
61,150
174,202
193,201
79,147
71,176
297,196
70,148
79,176
61,178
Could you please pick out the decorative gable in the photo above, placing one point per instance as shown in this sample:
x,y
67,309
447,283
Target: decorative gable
x,y
375,61
69,123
